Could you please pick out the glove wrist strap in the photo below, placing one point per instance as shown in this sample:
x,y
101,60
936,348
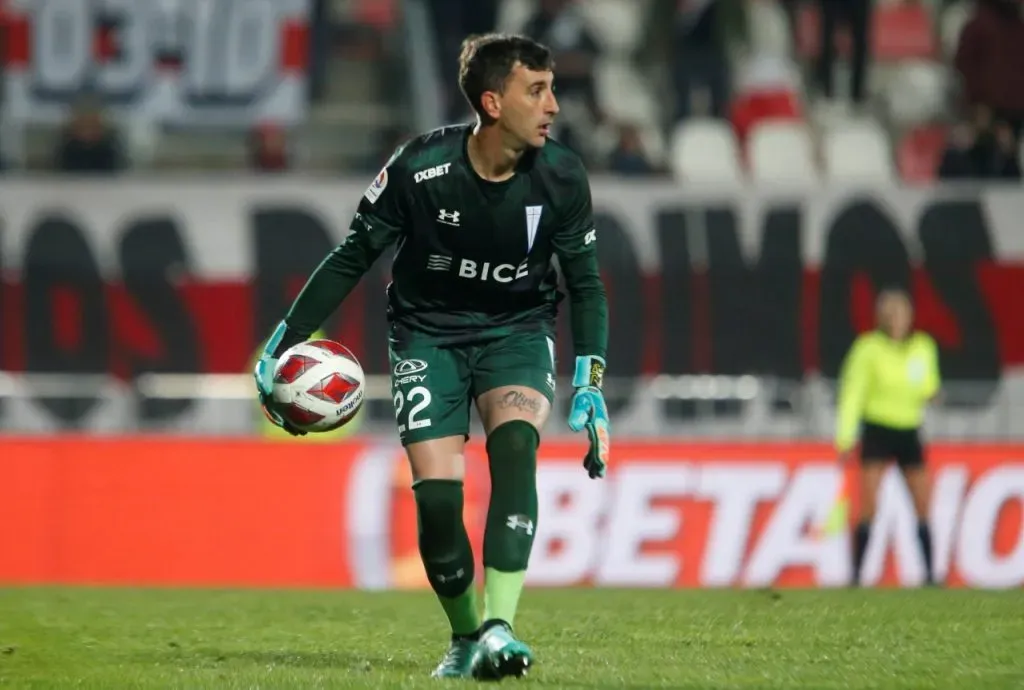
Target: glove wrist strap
x,y
589,372
281,339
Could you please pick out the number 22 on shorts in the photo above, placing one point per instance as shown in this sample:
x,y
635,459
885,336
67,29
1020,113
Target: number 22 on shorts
x,y
419,398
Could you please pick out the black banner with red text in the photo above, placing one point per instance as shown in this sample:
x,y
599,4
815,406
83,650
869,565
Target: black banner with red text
x,y
172,277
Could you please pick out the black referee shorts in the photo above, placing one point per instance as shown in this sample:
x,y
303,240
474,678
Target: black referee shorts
x,y
881,444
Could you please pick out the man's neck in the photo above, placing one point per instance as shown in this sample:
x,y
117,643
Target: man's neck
x,y
490,156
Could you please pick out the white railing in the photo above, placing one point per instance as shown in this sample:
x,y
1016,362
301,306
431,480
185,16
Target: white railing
x,y
691,406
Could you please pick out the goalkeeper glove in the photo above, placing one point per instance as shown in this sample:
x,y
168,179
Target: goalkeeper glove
x,y
589,412
280,340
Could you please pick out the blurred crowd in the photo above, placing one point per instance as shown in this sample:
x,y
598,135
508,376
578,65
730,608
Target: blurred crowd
x,y
943,81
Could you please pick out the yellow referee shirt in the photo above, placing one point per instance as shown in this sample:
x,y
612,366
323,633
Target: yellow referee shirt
x,y
885,382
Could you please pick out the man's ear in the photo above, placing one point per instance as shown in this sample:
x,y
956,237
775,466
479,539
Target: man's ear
x,y
491,102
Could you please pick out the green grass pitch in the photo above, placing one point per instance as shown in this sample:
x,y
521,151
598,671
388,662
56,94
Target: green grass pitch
x,y
120,639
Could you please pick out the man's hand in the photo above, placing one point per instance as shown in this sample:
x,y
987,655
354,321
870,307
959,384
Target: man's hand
x,y
589,412
264,375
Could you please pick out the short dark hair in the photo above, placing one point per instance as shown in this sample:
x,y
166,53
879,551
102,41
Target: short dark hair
x,y
487,61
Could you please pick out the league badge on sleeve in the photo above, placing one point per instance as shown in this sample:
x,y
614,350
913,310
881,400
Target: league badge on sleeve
x,y
377,187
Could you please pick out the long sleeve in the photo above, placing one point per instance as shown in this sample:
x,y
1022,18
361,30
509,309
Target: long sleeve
x,y
575,245
853,388
378,223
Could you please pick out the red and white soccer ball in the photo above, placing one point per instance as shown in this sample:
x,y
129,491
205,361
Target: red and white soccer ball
x,y
318,386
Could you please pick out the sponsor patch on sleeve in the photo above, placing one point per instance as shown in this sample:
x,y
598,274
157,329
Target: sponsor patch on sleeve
x,y
377,187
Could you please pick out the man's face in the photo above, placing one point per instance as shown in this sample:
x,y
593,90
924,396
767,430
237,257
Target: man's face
x,y
528,105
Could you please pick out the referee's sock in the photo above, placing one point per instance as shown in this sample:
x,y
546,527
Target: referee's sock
x,y
860,545
924,536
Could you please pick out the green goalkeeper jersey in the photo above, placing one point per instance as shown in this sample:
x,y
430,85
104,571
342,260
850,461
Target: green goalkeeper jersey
x,y
474,259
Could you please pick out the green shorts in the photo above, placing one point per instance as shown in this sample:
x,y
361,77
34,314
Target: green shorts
x,y
433,386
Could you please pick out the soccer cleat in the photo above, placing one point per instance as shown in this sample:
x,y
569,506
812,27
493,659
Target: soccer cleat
x,y
458,660
500,655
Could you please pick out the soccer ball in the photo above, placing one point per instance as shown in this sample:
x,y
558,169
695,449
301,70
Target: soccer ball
x,y
318,386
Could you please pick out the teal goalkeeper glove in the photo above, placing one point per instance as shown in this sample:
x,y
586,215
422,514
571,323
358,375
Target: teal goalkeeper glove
x,y
280,340
589,412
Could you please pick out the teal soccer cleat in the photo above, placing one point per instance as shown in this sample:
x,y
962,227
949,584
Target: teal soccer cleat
x,y
500,654
458,660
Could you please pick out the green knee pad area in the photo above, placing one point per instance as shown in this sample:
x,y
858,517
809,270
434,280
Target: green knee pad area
x,y
444,544
512,513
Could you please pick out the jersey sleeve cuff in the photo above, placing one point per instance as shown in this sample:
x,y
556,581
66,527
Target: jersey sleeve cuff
x,y
284,337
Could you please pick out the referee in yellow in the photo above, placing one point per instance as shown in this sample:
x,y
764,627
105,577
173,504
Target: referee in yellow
x,y
887,379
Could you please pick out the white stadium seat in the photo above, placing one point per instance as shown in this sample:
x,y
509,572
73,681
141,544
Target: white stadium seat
x,y
513,14
705,151
617,24
951,24
915,92
624,93
770,31
858,151
782,153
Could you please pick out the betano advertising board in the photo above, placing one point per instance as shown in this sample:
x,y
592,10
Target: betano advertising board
x,y
166,511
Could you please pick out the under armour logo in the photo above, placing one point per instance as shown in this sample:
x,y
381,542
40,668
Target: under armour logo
x,y
443,216
522,522
458,575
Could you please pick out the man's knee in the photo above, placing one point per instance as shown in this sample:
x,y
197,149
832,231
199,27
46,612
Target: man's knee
x,y
512,515
439,458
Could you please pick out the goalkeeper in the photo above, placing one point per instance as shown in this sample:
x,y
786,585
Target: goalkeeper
x,y
477,213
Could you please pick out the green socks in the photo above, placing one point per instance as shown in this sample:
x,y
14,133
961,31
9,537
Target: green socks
x,y
511,516
462,612
508,536
446,551
501,594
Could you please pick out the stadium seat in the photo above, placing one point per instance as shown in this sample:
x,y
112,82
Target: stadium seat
x,y
919,154
767,87
915,92
624,93
782,153
513,14
750,109
770,31
951,24
617,24
705,151
857,151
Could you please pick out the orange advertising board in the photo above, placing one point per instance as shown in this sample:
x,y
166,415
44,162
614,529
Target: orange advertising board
x,y
161,511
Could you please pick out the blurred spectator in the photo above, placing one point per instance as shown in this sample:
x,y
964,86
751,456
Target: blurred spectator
x,y
88,144
856,16
268,149
981,150
628,157
700,61
320,26
559,24
990,58
453,21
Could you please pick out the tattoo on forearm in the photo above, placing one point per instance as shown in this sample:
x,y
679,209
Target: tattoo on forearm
x,y
520,402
